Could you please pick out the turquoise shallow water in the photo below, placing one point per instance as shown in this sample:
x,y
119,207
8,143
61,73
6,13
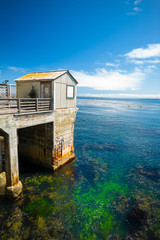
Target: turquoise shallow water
x,y
110,191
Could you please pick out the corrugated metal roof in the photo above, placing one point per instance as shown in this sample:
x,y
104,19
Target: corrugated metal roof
x,y
42,75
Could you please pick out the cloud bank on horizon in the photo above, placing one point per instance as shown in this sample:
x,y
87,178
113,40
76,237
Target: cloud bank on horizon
x,y
142,60
104,79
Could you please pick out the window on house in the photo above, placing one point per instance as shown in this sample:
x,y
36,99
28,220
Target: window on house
x,y
70,91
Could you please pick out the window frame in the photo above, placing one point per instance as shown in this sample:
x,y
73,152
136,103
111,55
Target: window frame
x,y
67,91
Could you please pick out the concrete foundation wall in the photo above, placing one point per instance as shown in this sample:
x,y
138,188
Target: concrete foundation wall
x,y
35,144
63,136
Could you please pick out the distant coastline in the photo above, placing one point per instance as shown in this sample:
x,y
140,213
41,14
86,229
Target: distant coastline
x,y
115,98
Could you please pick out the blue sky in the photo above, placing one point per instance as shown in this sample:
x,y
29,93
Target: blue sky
x,y
111,47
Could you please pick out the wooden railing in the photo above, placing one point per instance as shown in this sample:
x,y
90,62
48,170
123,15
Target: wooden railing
x,y
4,90
7,90
25,105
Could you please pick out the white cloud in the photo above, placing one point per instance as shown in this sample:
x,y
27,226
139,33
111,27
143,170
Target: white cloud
x,y
17,69
125,79
103,79
141,62
151,67
152,50
136,9
138,62
112,64
153,61
136,2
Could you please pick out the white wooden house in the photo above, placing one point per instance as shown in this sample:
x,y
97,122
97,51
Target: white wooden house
x,y
59,85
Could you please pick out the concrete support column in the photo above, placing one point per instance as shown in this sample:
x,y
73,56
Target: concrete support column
x,y
0,157
13,185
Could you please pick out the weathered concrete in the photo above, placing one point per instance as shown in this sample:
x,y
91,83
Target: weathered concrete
x,y
2,183
14,191
63,136
2,179
11,162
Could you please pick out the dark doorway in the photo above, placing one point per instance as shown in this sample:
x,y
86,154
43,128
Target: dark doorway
x,y
46,90
35,146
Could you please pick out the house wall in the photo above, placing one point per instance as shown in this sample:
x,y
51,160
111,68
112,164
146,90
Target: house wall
x,y
60,92
23,88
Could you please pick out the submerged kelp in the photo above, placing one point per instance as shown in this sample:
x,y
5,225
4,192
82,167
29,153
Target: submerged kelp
x,y
149,174
96,208
110,192
38,214
140,214
141,211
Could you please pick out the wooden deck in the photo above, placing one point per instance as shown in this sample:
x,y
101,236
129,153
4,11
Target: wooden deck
x,y
24,105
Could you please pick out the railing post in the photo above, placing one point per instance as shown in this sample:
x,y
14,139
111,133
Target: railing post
x,y
37,105
7,90
51,104
19,105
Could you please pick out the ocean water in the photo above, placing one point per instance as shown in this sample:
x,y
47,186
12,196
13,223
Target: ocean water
x,y
110,191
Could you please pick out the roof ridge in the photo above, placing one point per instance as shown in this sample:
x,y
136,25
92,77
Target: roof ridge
x,y
61,70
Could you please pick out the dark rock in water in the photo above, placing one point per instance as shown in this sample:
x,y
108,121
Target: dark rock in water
x,y
136,219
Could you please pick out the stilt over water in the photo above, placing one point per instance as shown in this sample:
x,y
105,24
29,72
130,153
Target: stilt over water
x,y
40,129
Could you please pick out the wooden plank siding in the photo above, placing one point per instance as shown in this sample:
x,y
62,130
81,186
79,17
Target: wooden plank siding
x,y
61,84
